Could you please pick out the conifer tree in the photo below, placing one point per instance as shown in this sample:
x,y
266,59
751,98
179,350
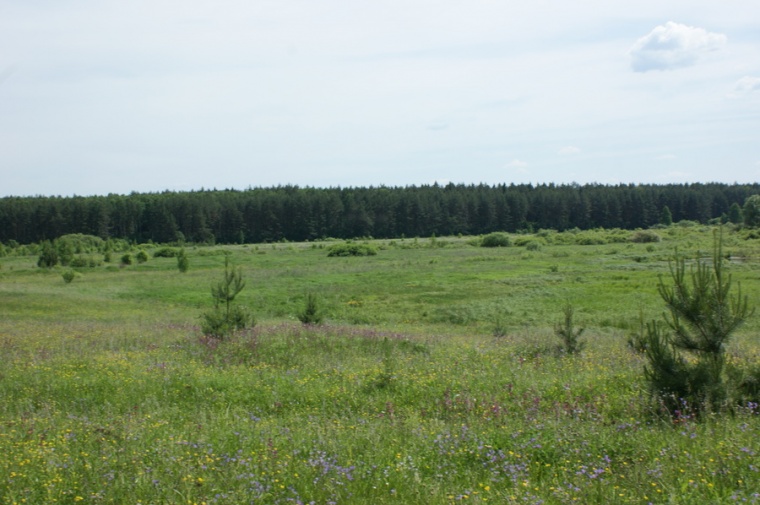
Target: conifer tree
x,y
702,316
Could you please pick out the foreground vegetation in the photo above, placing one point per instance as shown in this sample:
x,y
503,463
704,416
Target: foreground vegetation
x,y
436,377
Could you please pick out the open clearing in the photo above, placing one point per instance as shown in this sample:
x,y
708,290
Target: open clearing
x,y
435,379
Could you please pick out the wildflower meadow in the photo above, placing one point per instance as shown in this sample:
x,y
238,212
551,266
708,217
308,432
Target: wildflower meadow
x,y
435,377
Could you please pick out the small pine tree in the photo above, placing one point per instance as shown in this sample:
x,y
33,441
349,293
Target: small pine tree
x,y
568,334
666,217
751,211
701,318
735,214
225,318
311,313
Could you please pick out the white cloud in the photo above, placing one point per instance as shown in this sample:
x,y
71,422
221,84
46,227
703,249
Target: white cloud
x,y
517,164
569,150
672,46
746,85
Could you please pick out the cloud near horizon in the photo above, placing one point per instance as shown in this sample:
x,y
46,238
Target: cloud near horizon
x,y
673,45
517,164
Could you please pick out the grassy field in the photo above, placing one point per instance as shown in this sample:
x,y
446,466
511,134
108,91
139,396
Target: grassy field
x,y
435,378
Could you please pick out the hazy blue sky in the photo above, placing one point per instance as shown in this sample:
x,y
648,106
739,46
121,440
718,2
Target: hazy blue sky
x,y
104,96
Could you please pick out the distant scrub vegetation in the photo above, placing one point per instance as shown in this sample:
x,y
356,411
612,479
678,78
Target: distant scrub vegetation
x,y
351,249
292,213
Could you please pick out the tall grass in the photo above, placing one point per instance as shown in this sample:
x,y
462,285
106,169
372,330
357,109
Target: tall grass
x,y
109,393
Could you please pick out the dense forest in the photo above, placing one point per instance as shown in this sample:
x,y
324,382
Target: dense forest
x,y
297,214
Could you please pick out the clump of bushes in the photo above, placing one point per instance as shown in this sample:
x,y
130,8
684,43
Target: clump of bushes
x,y
645,237
141,256
533,245
85,262
496,239
165,252
351,249
48,256
81,243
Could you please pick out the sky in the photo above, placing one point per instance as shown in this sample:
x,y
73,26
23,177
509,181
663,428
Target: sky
x,y
105,96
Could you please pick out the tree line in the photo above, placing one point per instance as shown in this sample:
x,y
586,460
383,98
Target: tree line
x,y
297,213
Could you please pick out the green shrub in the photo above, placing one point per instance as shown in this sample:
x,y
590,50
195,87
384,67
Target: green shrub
x,y
166,252
496,239
126,259
685,223
183,263
84,262
68,276
591,238
141,256
48,257
645,237
351,249
533,245
80,243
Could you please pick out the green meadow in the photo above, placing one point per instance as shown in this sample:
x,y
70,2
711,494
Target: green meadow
x,y
435,378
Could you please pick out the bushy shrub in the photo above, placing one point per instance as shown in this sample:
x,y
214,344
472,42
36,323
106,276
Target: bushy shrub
x,y
68,276
126,259
141,256
496,239
85,262
165,252
533,245
183,263
80,243
48,256
645,237
351,249
79,262
591,238
685,223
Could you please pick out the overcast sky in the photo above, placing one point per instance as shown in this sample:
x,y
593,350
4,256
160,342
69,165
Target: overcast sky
x,y
103,96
